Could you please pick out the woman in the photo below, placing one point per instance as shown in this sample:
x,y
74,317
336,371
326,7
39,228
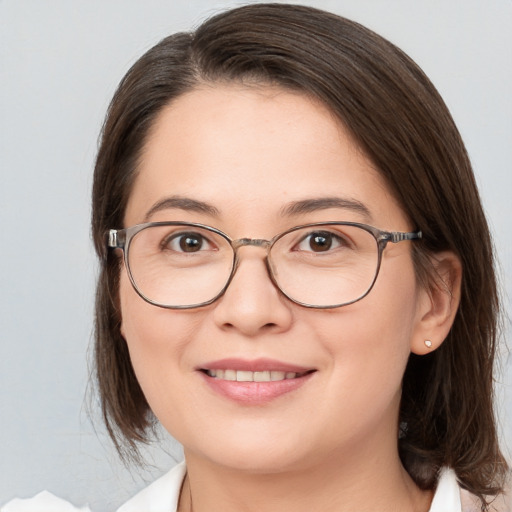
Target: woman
x,y
297,280
266,118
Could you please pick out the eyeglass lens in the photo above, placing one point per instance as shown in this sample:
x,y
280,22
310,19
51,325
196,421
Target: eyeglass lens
x,y
183,265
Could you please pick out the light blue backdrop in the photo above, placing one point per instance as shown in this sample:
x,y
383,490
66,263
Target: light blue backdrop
x,y
59,64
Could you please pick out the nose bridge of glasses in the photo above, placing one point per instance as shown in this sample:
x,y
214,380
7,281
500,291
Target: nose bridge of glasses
x,y
256,242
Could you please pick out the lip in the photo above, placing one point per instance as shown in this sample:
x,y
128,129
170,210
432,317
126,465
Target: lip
x,y
254,393
255,365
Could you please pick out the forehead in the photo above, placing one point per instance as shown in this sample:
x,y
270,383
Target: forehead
x,y
248,151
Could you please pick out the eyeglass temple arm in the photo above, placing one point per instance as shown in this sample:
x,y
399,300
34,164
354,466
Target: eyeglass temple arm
x,y
115,239
398,236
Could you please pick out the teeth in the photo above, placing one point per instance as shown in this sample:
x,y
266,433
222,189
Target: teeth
x,y
261,376
246,376
228,374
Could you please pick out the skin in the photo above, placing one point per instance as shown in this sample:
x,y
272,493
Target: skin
x,y
331,444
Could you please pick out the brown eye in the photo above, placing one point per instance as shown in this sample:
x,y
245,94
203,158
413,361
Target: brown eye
x,y
190,243
319,241
187,242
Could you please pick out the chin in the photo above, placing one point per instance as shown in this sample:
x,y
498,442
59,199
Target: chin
x,y
257,455
260,463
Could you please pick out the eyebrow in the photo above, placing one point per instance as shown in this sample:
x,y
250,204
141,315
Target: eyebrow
x,y
325,203
182,203
295,208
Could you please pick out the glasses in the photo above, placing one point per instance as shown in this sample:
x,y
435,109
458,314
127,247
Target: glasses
x,y
181,265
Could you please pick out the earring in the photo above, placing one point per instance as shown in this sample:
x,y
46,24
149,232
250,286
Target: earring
x,y
428,343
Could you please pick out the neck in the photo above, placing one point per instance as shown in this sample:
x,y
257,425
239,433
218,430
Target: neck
x,y
365,483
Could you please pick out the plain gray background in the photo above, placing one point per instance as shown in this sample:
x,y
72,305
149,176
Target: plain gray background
x,y
60,61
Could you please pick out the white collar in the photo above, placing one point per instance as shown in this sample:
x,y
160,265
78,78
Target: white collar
x,y
160,496
447,495
163,494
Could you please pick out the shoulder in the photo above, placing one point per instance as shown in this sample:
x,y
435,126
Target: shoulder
x,y
470,503
160,496
42,502
449,497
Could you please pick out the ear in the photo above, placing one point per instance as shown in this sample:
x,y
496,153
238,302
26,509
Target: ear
x,y
437,304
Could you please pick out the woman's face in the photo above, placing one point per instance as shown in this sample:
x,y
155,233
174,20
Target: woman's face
x,y
250,154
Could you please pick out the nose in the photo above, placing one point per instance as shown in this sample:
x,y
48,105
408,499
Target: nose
x,y
252,304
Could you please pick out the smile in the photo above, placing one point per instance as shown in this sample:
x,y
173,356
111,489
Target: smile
x,y
255,382
248,376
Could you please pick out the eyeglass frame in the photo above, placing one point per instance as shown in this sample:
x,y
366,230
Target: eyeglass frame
x,y
121,239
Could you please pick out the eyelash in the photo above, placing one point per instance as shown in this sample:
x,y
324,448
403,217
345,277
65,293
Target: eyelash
x,y
341,241
176,242
178,237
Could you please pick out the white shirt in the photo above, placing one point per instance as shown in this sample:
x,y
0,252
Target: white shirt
x,y
163,495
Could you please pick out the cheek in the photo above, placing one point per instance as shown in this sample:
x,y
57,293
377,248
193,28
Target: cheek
x,y
155,338
393,304
372,347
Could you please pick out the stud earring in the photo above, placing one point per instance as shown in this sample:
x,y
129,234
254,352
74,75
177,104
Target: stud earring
x,y
428,343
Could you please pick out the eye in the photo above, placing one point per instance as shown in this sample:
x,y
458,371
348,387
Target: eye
x,y
320,241
187,242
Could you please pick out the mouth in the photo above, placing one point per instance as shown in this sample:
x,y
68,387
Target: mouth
x,y
256,382
256,376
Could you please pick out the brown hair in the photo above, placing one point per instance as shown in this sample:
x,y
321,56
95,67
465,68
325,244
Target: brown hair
x,y
401,123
